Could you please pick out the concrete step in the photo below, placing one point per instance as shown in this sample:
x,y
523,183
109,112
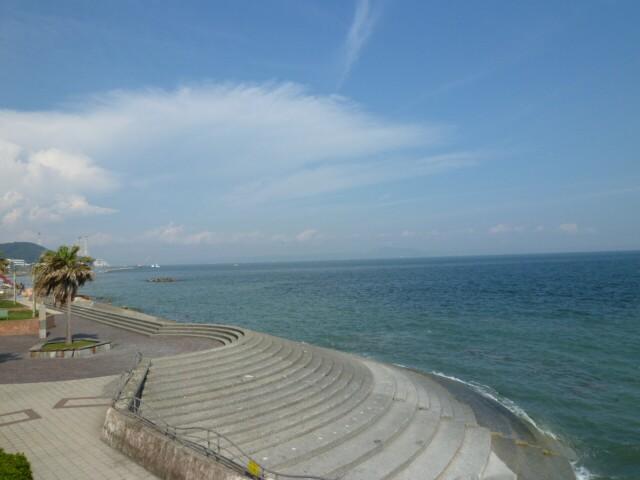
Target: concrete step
x,y
115,317
437,455
274,388
249,340
339,377
208,358
144,324
177,375
306,416
394,456
272,365
261,407
204,328
497,470
244,387
141,329
230,331
126,323
374,423
211,368
449,405
188,332
472,457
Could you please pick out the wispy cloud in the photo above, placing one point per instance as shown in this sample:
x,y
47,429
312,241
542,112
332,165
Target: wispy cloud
x,y
205,155
307,235
571,228
360,31
179,235
504,228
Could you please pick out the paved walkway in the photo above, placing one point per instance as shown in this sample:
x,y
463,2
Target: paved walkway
x,y
57,421
57,426
17,367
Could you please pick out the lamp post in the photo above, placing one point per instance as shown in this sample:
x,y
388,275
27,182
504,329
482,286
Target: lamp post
x,y
33,287
15,294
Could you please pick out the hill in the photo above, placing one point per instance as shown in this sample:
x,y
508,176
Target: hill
x,y
29,252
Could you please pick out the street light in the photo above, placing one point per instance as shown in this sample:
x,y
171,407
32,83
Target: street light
x,y
15,296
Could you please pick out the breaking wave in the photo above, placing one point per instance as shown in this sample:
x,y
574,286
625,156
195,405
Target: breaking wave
x,y
581,472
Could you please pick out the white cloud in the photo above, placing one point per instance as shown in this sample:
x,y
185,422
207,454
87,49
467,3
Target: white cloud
x,y
500,228
571,228
330,178
234,144
47,185
307,235
11,217
503,228
360,30
178,235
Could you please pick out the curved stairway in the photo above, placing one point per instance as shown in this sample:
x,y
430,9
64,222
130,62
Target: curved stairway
x,y
305,410
148,325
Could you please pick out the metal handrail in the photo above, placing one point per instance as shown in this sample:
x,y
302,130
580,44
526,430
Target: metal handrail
x,y
125,377
215,444
201,439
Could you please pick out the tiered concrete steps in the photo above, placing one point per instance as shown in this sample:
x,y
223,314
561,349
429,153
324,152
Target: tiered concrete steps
x,y
149,325
304,410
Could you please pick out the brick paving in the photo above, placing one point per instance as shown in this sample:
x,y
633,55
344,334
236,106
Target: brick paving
x,y
17,367
52,410
63,443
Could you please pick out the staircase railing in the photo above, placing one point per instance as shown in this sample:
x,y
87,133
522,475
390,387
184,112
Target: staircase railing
x,y
206,441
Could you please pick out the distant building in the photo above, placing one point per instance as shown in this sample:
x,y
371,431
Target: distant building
x,y
99,263
17,262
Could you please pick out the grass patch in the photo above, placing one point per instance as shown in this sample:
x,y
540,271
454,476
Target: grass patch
x,y
54,346
10,304
14,466
21,314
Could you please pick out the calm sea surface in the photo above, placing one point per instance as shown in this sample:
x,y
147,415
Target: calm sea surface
x,y
558,335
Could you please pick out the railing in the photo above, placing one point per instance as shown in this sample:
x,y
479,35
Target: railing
x,y
125,377
203,440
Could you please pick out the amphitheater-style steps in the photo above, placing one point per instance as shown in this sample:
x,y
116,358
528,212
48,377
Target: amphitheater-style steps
x,y
147,325
304,410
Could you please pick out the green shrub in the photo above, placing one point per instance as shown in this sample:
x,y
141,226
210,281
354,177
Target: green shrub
x,y
14,466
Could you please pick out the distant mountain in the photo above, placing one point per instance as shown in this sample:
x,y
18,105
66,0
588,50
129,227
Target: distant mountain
x,y
27,251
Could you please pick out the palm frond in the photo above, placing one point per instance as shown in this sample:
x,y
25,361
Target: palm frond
x,y
61,273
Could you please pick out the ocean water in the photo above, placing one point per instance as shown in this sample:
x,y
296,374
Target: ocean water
x,y
556,337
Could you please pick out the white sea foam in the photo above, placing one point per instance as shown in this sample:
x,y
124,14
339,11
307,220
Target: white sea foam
x,y
582,473
507,403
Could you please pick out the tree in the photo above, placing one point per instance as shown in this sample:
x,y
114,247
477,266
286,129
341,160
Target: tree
x,y
60,274
4,264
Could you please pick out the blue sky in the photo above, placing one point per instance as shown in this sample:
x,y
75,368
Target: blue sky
x,y
225,131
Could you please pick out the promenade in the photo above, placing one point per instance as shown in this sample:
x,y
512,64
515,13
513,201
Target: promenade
x,y
17,367
53,410
285,407
57,426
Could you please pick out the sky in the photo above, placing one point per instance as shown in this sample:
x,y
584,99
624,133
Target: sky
x,y
198,132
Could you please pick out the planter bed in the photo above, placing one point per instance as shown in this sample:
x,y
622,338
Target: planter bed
x,y
85,348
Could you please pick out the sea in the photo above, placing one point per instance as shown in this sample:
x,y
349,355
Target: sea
x,y
555,338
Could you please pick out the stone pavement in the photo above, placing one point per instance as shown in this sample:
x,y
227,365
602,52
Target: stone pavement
x,y
57,426
17,367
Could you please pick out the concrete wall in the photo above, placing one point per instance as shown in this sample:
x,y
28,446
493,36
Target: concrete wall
x,y
158,453
24,327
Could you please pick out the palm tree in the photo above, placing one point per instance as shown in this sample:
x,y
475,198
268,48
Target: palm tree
x,y
60,274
